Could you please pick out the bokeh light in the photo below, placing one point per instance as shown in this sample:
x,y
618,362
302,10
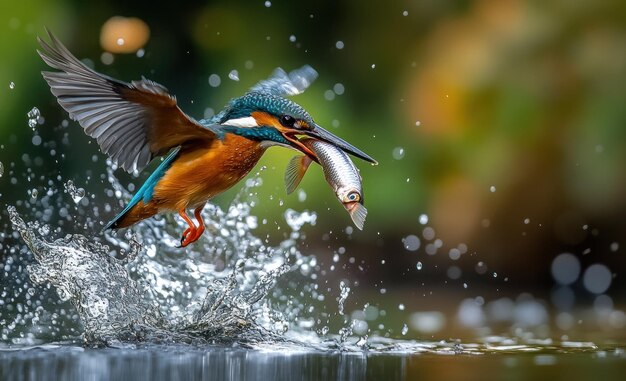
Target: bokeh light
x,y
124,34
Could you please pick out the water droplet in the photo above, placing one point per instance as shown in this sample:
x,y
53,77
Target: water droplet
x,y
329,95
77,194
268,4
418,123
405,13
454,272
292,38
373,66
214,80
423,219
405,329
398,153
454,254
301,195
11,85
208,113
526,221
344,291
565,269
338,88
339,45
428,233
141,53
419,265
411,242
481,267
120,41
1,169
614,245
34,193
107,58
597,278
401,307
492,188
33,117
234,75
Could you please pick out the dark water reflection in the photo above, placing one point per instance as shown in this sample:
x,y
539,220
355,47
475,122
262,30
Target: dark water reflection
x,y
213,363
184,364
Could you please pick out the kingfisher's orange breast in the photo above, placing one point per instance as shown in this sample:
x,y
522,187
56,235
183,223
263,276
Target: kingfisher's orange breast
x,y
201,173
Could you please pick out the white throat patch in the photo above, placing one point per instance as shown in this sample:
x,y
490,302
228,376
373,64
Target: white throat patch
x,y
247,121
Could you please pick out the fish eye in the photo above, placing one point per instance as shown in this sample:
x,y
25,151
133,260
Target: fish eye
x,y
287,120
353,196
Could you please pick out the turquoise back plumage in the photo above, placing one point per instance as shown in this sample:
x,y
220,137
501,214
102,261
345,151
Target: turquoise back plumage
x,y
259,101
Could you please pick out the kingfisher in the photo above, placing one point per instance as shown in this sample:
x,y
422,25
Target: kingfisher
x,y
137,122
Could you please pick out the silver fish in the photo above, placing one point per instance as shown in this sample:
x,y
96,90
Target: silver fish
x,y
340,173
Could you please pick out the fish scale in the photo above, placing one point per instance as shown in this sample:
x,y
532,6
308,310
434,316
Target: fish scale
x,y
339,171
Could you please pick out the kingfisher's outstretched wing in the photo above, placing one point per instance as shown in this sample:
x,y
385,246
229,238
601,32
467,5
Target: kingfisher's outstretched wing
x,y
132,122
282,84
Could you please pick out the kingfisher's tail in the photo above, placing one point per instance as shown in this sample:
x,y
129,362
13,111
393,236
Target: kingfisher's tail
x,y
132,214
141,206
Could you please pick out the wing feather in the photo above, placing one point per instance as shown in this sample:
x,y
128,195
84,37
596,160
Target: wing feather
x,y
132,122
282,84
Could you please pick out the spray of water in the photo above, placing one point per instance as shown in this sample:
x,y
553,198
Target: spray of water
x,y
231,286
142,287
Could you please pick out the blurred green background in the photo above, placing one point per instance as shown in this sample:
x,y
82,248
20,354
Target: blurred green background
x,y
503,122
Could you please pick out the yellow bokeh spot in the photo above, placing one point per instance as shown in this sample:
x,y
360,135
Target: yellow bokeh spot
x,y
124,34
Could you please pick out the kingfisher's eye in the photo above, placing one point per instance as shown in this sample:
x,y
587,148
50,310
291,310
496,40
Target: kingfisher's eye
x,y
287,120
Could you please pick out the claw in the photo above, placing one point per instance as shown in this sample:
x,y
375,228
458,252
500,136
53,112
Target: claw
x,y
189,237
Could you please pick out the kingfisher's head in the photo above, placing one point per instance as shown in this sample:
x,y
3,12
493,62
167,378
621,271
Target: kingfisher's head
x,y
275,120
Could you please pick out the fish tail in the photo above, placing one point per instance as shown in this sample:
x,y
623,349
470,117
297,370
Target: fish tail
x,y
295,172
358,213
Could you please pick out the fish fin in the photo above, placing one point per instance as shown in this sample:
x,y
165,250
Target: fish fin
x,y
295,172
358,214
147,189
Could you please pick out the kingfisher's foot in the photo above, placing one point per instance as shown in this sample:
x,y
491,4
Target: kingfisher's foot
x,y
188,236
191,236
192,233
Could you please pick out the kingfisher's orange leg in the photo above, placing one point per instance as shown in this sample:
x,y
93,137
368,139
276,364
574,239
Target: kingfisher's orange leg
x,y
191,235
190,231
198,214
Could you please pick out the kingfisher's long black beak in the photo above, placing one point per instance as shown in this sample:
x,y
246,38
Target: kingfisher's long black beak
x,y
321,134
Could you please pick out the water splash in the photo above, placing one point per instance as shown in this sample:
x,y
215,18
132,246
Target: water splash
x,y
344,292
232,285
145,288
98,286
76,193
